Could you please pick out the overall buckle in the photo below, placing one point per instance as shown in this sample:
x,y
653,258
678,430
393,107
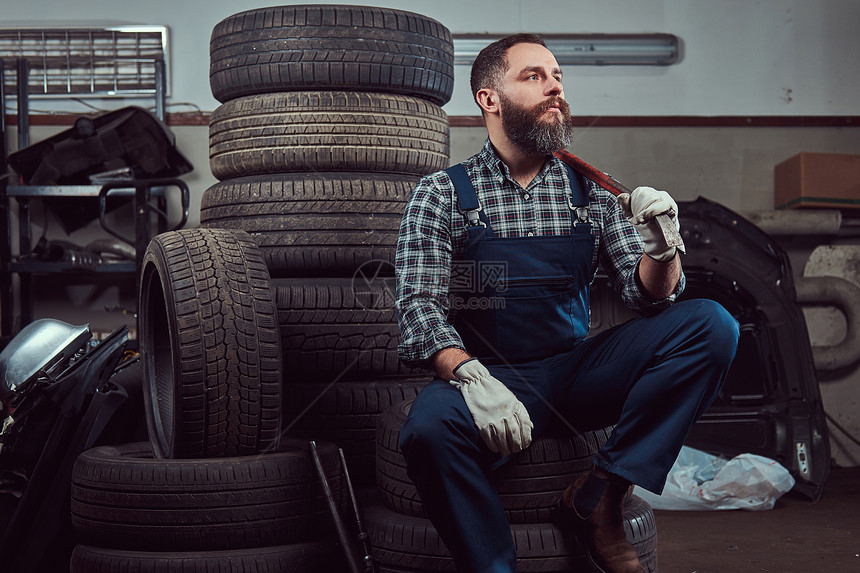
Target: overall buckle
x,y
473,219
581,211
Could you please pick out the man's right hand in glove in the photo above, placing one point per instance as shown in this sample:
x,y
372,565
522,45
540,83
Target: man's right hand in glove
x,y
501,419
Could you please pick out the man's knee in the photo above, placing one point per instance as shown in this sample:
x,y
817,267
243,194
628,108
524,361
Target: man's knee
x,y
417,434
430,429
715,327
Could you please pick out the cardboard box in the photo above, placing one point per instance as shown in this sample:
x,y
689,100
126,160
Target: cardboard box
x,y
828,180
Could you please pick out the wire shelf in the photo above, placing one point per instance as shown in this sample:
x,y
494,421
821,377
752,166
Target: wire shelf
x,y
115,61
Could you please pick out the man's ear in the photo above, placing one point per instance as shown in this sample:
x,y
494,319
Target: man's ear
x,y
488,99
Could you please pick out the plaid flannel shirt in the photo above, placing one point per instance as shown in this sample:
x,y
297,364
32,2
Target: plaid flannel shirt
x,y
430,243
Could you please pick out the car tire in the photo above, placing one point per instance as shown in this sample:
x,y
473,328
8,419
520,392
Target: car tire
x,y
300,47
319,224
311,557
529,484
209,344
347,413
124,498
339,328
327,131
408,544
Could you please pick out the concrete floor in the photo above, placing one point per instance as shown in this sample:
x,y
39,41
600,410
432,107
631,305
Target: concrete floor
x,y
797,536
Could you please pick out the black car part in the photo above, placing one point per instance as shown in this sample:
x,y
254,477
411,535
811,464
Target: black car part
x,y
49,423
770,404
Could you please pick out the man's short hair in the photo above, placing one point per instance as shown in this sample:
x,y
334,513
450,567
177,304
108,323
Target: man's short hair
x,y
492,62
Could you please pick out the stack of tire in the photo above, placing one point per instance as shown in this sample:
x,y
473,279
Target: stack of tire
x,y
330,115
216,487
529,486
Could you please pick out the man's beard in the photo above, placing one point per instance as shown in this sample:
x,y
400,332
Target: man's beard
x,y
532,134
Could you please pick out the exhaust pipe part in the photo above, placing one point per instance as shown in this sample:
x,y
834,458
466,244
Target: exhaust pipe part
x,y
845,296
822,222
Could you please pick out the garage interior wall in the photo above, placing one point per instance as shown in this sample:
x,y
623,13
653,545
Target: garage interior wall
x,y
784,73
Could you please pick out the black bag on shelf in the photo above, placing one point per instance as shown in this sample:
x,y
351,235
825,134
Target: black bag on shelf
x,y
128,137
130,140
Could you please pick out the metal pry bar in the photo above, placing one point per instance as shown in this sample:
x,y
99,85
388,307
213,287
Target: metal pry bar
x,y
369,566
348,549
667,226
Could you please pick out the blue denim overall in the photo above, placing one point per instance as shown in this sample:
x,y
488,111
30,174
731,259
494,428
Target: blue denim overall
x,y
651,377
530,295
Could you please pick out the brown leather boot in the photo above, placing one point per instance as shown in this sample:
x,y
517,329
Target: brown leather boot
x,y
592,507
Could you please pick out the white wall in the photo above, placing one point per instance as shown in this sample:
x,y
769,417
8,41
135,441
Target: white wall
x,y
740,57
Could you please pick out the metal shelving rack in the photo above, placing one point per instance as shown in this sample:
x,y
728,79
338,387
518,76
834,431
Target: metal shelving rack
x,y
148,195
6,318
93,59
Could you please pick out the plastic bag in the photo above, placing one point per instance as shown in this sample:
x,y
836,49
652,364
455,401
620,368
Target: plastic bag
x,y
701,481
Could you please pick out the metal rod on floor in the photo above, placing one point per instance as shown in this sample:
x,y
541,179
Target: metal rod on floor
x,y
332,505
369,566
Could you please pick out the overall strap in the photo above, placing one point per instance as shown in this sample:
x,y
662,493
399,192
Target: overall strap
x,y
467,199
577,198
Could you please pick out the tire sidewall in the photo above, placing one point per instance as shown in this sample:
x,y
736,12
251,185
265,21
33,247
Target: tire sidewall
x,y
153,278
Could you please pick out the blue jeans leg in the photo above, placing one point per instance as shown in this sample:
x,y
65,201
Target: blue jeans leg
x,y
449,465
652,377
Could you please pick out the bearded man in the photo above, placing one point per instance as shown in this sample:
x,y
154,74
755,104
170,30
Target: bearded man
x,y
494,261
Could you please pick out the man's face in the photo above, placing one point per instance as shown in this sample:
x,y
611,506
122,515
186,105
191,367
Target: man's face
x,y
534,114
536,129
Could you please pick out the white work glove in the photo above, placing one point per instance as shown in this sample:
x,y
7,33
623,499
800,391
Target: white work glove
x,y
501,419
640,207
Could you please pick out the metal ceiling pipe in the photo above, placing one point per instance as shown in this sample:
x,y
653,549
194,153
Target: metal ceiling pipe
x,y
845,296
796,222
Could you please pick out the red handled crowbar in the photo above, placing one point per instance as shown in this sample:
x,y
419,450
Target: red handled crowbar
x,y
670,233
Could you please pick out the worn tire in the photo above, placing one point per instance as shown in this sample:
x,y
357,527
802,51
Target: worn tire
x,y
313,224
124,498
209,344
347,413
529,485
344,404
301,47
339,328
408,544
297,558
327,131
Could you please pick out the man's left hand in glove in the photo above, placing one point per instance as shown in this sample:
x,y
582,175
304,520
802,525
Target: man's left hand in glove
x,y
641,207
502,420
